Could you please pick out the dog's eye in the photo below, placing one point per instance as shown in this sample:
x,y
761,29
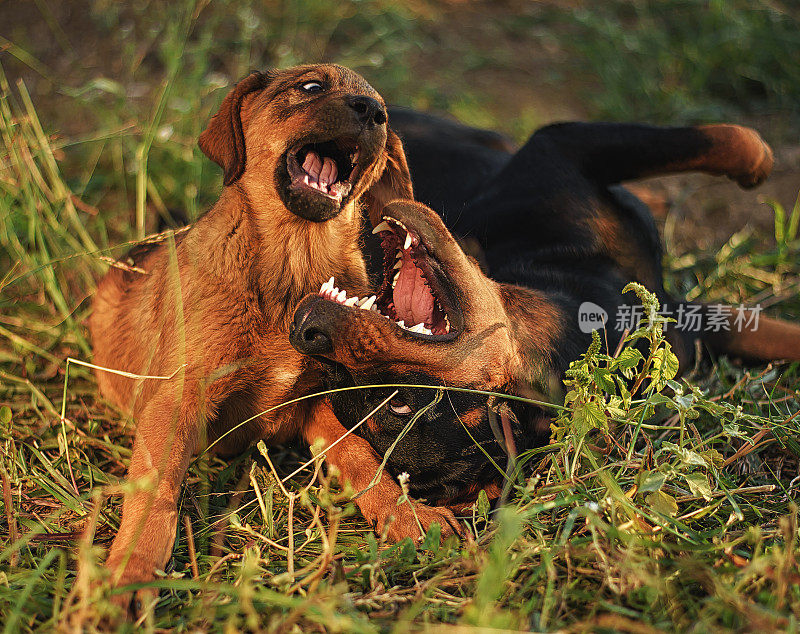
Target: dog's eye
x,y
399,407
312,87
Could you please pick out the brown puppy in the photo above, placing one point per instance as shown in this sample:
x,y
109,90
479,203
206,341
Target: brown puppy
x,y
302,150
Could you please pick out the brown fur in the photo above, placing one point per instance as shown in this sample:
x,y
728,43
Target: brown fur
x,y
214,305
734,151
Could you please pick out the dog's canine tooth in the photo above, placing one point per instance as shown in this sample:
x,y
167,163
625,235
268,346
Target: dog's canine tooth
x,y
351,302
368,303
401,323
326,286
398,265
427,331
407,243
383,226
419,328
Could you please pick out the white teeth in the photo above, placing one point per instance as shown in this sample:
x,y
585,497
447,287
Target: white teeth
x,y
420,327
341,297
427,331
446,324
383,226
351,302
401,323
327,286
396,277
398,265
368,304
407,243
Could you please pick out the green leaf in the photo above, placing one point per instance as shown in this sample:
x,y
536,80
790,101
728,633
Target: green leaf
x,y
713,458
650,481
732,429
604,381
686,457
589,416
663,503
698,484
5,415
665,366
372,545
482,505
627,361
407,551
434,535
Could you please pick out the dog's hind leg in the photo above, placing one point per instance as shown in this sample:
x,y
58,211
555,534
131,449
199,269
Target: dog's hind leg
x,y
613,152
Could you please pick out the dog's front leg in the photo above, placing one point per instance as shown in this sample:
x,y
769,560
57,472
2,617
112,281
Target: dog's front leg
x,y
357,463
167,435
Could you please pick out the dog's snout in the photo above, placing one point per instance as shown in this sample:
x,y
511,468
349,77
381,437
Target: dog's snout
x,y
368,110
310,333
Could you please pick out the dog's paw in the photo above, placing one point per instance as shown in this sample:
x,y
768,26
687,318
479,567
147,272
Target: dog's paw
x,y
762,161
403,521
132,604
749,159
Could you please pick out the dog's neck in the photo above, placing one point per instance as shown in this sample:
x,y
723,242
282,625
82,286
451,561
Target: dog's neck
x,y
291,257
537,327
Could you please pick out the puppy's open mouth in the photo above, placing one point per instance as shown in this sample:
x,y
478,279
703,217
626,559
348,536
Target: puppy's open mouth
x,y
414,291
327,169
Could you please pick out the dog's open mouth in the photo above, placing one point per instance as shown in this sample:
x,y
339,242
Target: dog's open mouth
x,y
327,169
413,293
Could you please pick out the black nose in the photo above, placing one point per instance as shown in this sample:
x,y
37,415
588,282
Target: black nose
x,y
369,110
308,335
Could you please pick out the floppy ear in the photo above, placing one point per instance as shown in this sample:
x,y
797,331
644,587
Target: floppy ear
x,y
223,140
395,182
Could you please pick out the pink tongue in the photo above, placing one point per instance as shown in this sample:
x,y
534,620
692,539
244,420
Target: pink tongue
x,y
413,301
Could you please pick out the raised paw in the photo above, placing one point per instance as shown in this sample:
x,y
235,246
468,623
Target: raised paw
x,y
740,154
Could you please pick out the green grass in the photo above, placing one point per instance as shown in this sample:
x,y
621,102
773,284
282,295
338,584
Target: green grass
x,y
685,61
693,527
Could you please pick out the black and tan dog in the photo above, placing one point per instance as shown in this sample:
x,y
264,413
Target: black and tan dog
x,y
556,232
304,151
